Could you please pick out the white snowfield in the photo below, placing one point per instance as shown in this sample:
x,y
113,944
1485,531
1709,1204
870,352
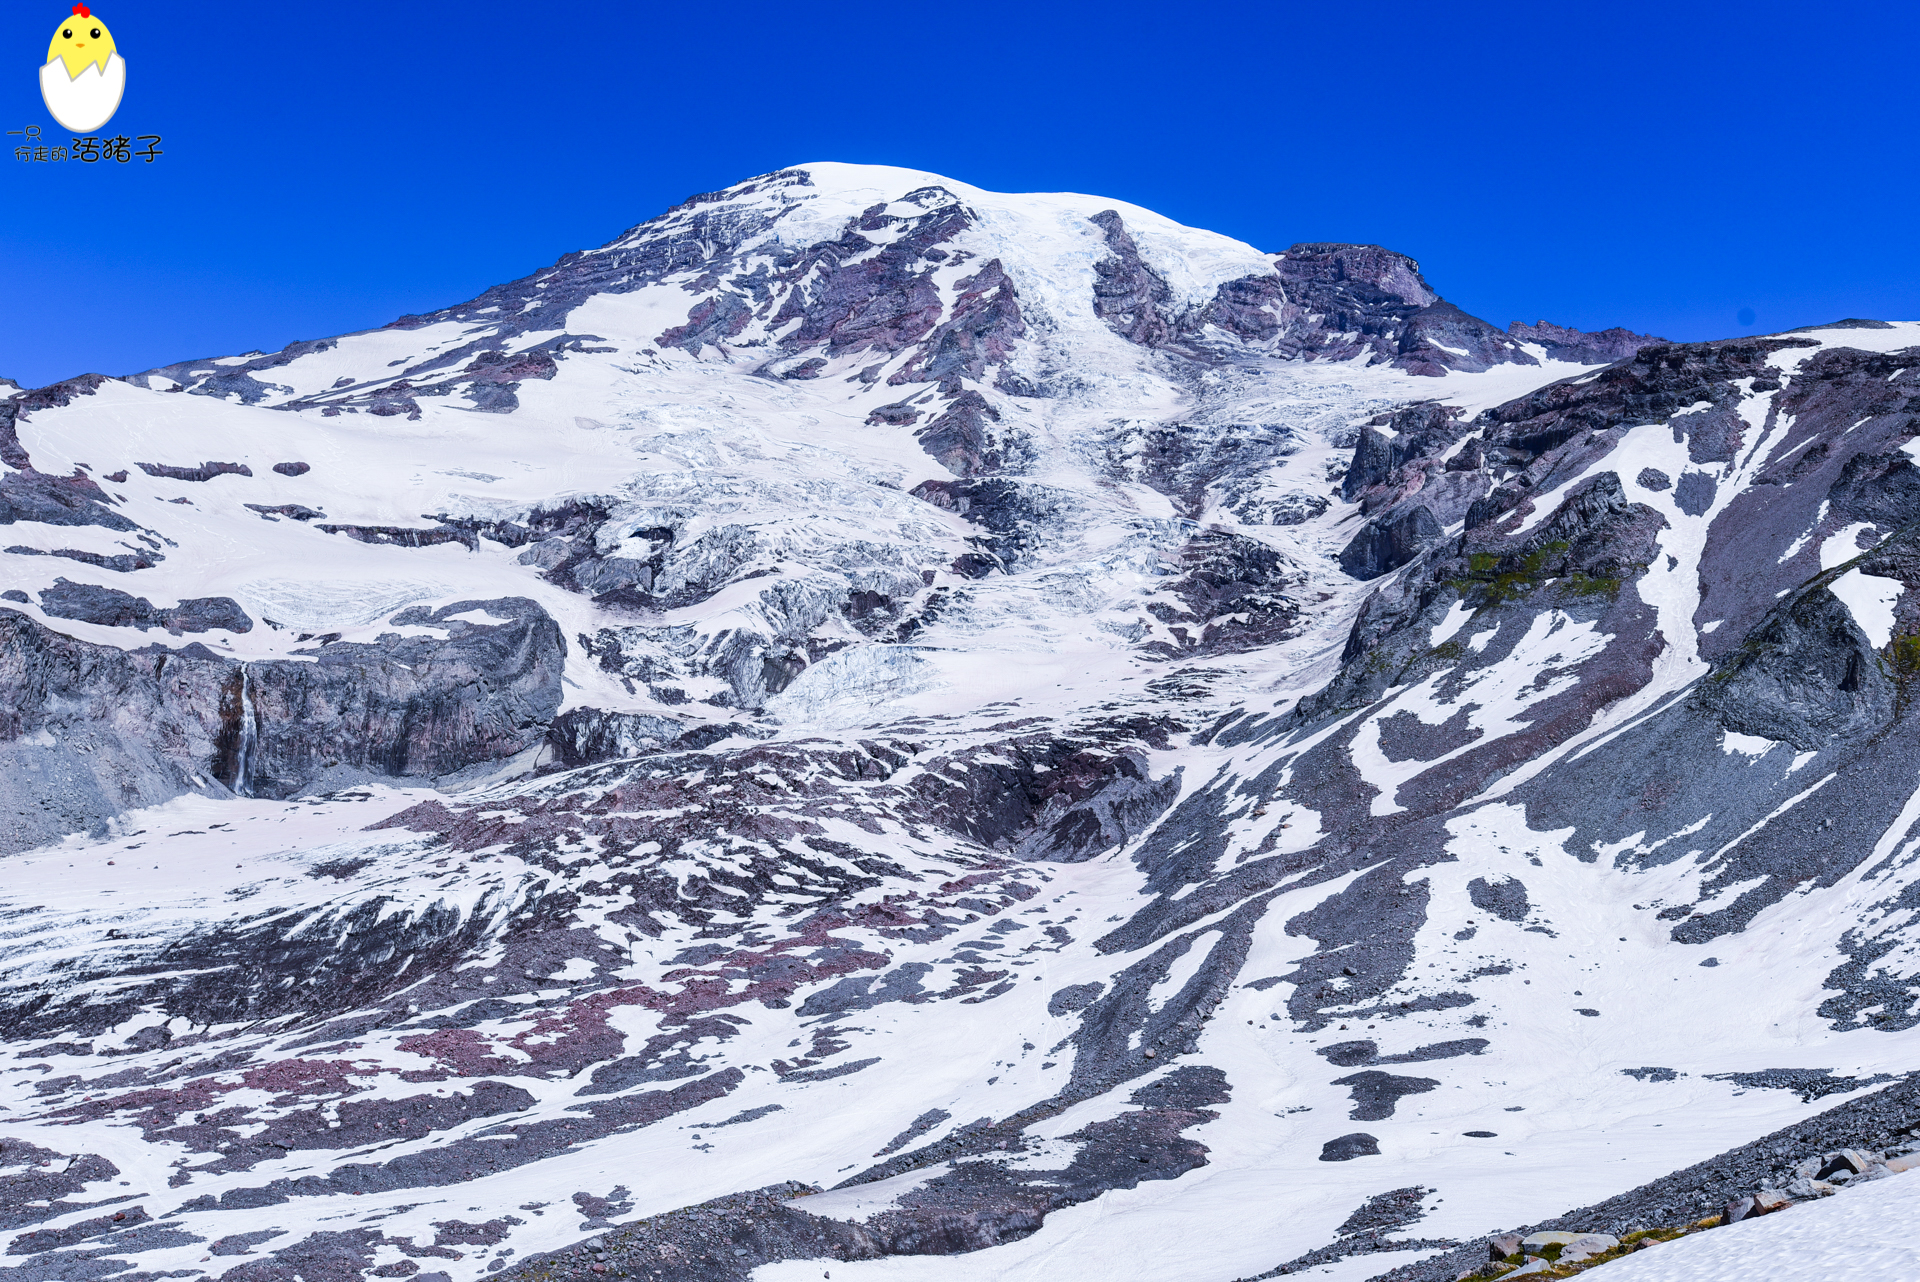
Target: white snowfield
x,y
1863,1232
787,492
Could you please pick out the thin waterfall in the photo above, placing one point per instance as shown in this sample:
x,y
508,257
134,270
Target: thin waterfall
x,y
243,755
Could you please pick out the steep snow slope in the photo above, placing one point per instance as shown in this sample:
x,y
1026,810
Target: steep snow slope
x,y
1102,750
1867,1227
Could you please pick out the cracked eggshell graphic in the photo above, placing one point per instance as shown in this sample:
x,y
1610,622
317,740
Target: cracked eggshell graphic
x,y
84,75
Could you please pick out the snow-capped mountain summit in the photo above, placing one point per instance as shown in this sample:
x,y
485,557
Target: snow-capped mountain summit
x,y
860,420
1002,714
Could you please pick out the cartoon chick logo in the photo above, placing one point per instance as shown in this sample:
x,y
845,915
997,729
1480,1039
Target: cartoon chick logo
x,y
84,76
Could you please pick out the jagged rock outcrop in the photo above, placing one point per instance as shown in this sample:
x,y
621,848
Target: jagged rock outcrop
x,y
112,608
1322,301
583,736
1804,676
1601,347
1234,593
1384,545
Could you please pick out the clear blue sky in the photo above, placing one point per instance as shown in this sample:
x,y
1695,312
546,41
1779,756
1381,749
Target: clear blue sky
x,y
330,167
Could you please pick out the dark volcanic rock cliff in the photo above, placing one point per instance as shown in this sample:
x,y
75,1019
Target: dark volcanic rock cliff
x,y
92,730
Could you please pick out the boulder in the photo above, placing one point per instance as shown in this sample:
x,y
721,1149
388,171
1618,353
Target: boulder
x,y
1347,1147
1587,1246
1541,1241
1737,1210
1847,1161
1499,1248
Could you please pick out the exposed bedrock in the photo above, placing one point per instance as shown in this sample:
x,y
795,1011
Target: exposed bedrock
x,y
1130,296
1057,796
1827,727
1656,384
1017,517
1791,757
417,706
27,494
870,289
683,238
1415,470
1279,851
1576,561
1418,431
1427,453
1383,545
967,438
1599,347
582,736
1234,595
980,331
1362,298
1325,301
88,731
1804,676
1358,299
996,1187
112,608
1035,797
203,472
853,295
